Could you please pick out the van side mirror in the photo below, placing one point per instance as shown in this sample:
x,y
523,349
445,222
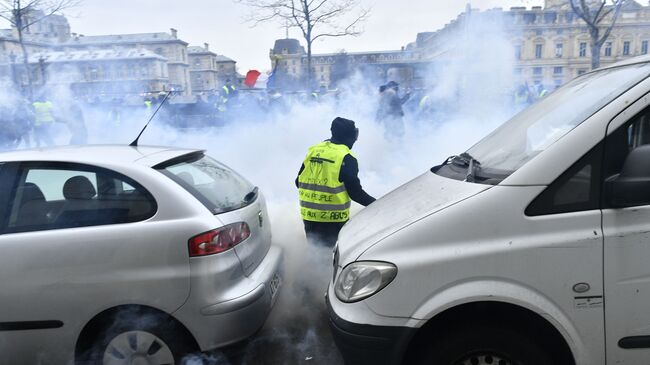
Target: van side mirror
x,y
632,186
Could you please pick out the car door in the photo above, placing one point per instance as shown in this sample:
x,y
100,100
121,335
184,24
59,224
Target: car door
x,y
626,231
76,240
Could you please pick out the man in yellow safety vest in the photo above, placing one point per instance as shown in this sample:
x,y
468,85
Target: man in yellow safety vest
x,y
43,121
328,182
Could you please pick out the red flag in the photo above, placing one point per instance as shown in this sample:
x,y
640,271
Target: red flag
x,y
251,78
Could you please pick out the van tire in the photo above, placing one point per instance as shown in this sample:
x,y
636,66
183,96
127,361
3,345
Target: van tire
x,y
482,344
168,335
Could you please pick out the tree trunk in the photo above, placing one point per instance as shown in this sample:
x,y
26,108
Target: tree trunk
x,y
596,45
30,93
309,70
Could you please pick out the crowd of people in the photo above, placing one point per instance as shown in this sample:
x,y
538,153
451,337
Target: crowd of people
x,y
30,124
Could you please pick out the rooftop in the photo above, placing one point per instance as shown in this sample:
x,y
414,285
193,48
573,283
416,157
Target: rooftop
x,y
121,38
99,55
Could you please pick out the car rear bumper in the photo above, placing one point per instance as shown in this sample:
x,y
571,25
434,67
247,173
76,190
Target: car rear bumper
x,y
238,318
362,344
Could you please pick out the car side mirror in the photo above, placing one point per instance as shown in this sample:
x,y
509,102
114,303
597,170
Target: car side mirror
x,y
632,186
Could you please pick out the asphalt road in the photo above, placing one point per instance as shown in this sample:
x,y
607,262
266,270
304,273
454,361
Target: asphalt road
x,y
296,331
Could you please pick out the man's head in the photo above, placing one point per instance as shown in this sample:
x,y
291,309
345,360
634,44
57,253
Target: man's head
x,y
344,131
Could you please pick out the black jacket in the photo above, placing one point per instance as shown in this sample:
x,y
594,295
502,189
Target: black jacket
x,y
349,175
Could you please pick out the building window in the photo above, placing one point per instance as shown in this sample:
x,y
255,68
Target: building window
x,y
557,70
559,49
608,49
538,50
583,49
626,48
558,83
582,71
537,71
518,52
644,47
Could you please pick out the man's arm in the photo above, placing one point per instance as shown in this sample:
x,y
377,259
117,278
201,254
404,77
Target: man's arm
x,y
349,175
302,167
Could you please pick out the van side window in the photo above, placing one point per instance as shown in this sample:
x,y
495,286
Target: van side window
x,y
627,137
578,189
619,144
56,196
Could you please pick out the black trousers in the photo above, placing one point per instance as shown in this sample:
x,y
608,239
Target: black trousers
x,y
323,234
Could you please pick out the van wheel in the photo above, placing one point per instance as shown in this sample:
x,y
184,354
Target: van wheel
x,y
148,341
484,346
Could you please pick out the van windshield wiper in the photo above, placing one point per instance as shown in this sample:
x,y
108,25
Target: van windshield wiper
x,y
465,159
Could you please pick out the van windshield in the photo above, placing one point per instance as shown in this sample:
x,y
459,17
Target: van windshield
x,y
536,128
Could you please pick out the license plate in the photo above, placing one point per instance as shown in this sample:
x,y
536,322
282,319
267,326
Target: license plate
x,y
274,285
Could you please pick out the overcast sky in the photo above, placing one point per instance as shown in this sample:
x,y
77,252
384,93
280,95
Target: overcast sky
x,y
392,24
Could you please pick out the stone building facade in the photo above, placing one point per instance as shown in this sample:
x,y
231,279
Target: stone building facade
x,y
549,45
546,45
94,73
289,60
166,45
135,60
208,70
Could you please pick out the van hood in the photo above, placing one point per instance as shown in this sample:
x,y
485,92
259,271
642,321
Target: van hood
x,y
420,197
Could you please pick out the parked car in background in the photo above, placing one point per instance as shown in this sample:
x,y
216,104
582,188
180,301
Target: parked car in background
x,y
118,254
530,248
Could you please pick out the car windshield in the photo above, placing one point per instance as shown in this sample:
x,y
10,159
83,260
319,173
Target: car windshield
x,y
536,128
218,187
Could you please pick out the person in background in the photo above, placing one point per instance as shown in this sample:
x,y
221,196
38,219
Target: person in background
x,y
327,183
43,121
390,112
76,124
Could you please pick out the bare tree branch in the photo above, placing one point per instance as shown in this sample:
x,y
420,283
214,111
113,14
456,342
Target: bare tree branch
x,y
23,14
597,18
314,18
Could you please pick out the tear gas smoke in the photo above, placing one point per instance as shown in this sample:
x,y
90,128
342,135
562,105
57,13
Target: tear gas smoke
x,y
468,98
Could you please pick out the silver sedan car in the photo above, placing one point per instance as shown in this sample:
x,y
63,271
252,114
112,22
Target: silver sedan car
x,y
129,255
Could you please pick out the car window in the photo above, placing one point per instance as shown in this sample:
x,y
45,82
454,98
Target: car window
x,y
218,187
56,196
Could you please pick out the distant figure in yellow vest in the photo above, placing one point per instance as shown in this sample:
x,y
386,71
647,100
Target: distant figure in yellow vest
x,y
43,121
327,183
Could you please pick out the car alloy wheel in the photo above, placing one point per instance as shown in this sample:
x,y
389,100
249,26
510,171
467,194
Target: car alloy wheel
x,y
137,348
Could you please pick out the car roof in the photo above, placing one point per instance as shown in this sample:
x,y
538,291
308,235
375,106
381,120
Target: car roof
x,y
98,154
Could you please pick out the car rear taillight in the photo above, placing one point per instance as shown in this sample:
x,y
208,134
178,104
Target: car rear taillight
x,y
218,240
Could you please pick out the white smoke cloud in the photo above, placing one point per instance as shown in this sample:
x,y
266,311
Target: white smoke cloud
x,y
469,99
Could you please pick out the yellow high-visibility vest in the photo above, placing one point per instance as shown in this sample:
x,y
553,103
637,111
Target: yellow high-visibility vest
x,y
43,113
323,197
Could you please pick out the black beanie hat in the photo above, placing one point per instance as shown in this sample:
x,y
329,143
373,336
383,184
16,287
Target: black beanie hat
x,y
343,129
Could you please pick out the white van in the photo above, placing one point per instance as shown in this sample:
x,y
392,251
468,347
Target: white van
x,y
533,247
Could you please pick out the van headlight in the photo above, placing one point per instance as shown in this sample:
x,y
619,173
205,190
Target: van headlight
x,y
361,279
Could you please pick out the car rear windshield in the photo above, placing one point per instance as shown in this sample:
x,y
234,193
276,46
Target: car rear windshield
x,y
215,185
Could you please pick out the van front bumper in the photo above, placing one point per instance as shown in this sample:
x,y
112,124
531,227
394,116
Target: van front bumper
x,y
362,344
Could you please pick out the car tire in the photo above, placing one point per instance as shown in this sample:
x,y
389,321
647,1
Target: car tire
x,y
479,345
153,338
